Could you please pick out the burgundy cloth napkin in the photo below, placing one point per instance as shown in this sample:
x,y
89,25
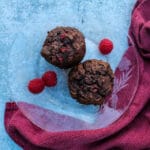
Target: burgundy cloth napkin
x,y
130,132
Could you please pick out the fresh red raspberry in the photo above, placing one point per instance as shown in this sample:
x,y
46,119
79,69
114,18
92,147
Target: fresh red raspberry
x,y
50,78
105,46
36,85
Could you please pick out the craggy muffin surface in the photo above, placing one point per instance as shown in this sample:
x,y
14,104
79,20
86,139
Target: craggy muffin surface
x,y
91,81
64,47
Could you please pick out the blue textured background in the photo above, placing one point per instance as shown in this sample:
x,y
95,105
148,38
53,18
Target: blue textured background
x,y
15,14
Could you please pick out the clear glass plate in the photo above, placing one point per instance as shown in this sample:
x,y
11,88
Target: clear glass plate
x,y
54,109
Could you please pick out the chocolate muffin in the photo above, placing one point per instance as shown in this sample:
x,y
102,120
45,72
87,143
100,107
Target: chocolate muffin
x,y
91,81
64,47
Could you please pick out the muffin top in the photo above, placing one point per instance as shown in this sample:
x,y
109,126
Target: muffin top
x,y
64,47
91,81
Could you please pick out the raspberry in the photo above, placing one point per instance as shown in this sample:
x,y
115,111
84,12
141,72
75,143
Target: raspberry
x,y
49,78
64,49
62,36
36,85
105,46
60,59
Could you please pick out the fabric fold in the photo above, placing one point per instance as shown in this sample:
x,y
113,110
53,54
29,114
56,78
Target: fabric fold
x,y
140,27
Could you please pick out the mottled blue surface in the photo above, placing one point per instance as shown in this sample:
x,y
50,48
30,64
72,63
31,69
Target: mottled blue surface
x,y
99,18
